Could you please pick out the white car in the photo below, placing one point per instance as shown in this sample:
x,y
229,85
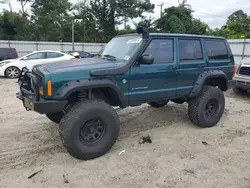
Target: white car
x,y
11,68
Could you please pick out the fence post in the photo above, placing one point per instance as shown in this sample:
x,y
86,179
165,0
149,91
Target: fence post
x,y
9,41
36,46
61,46
244,49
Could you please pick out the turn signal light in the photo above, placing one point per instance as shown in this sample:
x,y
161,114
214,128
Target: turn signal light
x,y
41,91
49,88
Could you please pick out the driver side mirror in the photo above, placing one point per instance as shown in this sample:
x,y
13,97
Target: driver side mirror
x,y
24,58
146,59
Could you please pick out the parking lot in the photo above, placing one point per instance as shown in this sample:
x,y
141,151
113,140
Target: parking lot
x,y
180,155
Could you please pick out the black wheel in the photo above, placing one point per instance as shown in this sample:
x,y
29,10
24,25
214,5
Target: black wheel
x,y
158,104
238,90
55,117
89,129
206,110
12,72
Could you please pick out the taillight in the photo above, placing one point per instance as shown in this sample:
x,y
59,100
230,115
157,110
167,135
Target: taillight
x,y
234,71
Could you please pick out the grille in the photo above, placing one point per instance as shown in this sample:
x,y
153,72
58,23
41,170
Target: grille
x,y
245,71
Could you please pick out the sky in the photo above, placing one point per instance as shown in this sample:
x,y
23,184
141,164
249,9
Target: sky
x,y
213,12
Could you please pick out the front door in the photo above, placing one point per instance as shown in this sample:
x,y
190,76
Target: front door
x,y
157,81
33,59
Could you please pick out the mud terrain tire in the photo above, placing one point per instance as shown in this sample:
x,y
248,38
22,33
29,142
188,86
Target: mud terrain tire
x,y
206,110
89,129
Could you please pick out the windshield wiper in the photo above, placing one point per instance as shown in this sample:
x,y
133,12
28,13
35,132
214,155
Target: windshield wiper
x,y
110,56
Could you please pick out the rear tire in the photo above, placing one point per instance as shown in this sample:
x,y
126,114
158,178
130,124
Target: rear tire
x,y
55,117
89,129
206,110
158,104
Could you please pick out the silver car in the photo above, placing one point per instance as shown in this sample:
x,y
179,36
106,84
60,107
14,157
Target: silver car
x,y
242,77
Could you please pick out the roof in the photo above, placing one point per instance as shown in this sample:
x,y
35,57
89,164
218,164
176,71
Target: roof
x,y
177,35
48,51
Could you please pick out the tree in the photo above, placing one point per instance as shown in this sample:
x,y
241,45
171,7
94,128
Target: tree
x,y
8,2
238,25
145,22
85,26
14,26
175,25
49,16
129,9
181,15
108,13
23,4
198,27
239,17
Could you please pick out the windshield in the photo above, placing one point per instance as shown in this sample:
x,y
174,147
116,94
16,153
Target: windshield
x,y
121,48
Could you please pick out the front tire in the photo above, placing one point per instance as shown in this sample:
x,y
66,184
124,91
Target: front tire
x,y
158,104
55,117
206,110
89,129
12,72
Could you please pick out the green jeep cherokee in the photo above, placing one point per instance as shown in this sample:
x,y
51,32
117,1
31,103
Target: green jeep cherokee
x,y
131,70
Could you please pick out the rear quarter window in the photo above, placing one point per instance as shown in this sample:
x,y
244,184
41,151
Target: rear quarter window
x,y
216,50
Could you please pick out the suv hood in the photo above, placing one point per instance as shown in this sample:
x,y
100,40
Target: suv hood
x,y
63,71
80,64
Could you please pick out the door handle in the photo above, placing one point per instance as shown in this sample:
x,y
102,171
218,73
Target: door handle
x,y
172,67
202,65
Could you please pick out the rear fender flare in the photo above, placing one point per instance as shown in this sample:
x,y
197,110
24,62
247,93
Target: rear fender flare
x,y
203,77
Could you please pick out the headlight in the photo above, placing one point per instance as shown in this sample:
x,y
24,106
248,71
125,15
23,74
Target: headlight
x,y
4,63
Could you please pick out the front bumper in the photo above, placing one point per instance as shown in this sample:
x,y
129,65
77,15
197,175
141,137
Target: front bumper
x,y
31,99
42,106
2,71
242,82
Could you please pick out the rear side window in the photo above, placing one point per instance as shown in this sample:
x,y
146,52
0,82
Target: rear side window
x,y
216,50
39,55
53,55
162,50
190,50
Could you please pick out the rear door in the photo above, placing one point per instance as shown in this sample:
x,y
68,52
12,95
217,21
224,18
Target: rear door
x,y
191,63
53,56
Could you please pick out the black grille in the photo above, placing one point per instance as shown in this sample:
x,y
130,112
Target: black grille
x,y
245,71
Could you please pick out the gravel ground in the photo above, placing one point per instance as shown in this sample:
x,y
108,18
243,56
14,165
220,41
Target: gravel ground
x,y
181,154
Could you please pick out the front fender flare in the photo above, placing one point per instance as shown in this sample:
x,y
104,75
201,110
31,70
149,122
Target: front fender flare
x,y
72,86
